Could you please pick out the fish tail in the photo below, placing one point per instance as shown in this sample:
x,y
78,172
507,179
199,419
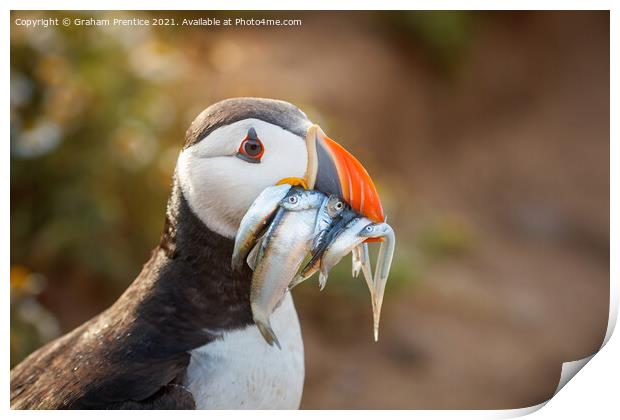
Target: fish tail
x,y
268,334
296,280
322,280
382,270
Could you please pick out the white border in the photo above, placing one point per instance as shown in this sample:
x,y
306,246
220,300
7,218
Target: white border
x,y
593,394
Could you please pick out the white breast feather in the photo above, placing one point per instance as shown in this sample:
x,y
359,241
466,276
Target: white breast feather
x,y
241,371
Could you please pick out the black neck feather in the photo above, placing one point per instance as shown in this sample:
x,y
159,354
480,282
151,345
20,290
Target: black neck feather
x,y
188,289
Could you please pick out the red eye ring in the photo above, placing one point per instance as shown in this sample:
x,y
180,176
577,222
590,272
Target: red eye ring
x,y
252,148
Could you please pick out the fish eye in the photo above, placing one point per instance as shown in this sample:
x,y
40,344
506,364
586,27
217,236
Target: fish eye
x,y
369,228
251,148
339,205
292,199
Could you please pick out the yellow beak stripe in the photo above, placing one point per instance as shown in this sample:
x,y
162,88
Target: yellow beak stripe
x,y
294,181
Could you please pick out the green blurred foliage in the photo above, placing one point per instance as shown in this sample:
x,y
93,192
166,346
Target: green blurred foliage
x,y
89,168
444,34
94,139
446,235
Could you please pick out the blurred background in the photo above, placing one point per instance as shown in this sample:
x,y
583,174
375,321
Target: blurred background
x,y
487,135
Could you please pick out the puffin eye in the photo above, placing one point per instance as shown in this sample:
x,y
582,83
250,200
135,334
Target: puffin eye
x,y
251,148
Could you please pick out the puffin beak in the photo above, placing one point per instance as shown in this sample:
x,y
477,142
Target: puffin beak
x,y
333,170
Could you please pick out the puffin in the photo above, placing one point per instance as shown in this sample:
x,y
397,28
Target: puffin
x,y
182,336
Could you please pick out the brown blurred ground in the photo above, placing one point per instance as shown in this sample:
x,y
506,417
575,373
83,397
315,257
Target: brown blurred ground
x,y
494,170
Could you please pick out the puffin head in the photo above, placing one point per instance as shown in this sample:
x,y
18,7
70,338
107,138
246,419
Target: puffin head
x,y
238,147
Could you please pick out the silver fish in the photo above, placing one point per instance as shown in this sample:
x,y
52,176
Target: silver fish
x,y
280,253
253,255
382,270
356,262
328,213
353,236
255,221
344,243
360,259
343,240
331,208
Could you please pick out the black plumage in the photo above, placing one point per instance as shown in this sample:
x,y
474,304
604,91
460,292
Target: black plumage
x,y
226,112
133,353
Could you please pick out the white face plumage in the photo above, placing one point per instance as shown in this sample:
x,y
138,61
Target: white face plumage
x,y
220,186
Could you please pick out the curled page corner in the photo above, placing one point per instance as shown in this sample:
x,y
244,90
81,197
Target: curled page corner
x,y
520,412
570,369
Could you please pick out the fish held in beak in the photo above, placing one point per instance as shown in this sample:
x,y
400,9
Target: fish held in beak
x,y
382,270
330,210
360,261
329,213
255,221
360,258
356,262
325,213
347,240
280,253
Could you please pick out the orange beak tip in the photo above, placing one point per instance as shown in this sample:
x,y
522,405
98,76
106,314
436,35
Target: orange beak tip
x,y
356,185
